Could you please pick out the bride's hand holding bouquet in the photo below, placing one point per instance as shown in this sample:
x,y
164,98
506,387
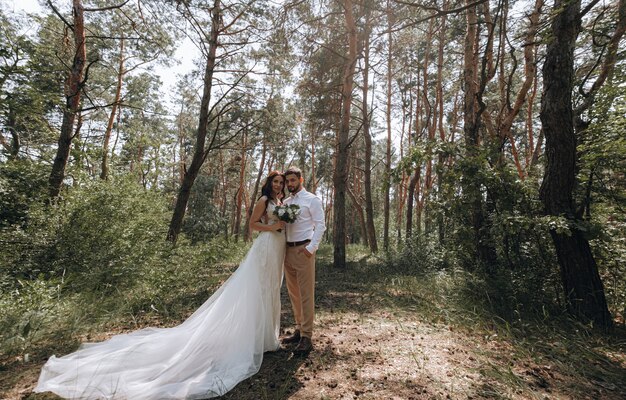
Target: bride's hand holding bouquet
x,y
287,214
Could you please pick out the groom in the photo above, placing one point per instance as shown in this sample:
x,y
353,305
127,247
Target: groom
x,y
303,239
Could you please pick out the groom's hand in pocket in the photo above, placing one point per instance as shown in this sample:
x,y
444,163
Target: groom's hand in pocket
x,y
306,252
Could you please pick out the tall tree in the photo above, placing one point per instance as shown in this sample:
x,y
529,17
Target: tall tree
x,y
200,149
232,27
340,174
583,287
73,90
104,164
389,75
367,168
474,82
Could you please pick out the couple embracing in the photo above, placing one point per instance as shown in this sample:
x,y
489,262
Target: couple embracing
x,y
303,237
223,341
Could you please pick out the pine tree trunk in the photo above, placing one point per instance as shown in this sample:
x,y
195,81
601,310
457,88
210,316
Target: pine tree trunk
x,y
104,171
386,201
181,145
431,112
313,180
224,194
200,152
340,173
442,134
257,182
415,179
367,168
471,187
584,292
360,214
73,89
76,151
242,188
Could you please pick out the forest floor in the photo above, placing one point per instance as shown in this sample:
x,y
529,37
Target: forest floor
x,y
382,334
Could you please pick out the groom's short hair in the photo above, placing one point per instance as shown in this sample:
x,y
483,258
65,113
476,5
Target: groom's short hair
x,y
293,171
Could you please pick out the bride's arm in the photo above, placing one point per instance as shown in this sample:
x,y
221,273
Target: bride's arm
x,y
257,214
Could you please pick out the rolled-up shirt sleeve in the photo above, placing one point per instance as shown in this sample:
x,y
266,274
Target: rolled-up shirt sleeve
x,y
317,217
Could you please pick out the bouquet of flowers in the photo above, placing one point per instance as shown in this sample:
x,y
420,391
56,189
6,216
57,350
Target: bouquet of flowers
x,y
287,213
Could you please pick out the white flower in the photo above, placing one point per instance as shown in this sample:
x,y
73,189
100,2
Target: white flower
x,y
287,213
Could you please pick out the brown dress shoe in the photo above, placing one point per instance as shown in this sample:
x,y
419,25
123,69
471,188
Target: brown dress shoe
x,y
304,347
295,338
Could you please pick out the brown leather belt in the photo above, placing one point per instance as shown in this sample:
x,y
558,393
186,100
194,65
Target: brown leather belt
x,y
300,243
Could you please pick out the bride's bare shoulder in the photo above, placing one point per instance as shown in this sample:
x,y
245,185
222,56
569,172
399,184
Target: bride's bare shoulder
x,y
262,201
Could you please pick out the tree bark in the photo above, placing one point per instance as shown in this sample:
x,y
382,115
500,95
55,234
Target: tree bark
x,y
403,186
224,193
242,186
313,181
431,121
584,292
415,181
257,182
386,201
73,89
78,159
157,165
442,134
200,152
181,144
359,212
340,173
104,171
471,117
367,168
530,118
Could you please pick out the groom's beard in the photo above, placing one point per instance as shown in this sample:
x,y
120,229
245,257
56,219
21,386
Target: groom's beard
x,y
295,189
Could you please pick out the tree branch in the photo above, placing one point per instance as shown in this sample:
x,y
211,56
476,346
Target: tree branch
x,y
107,8
54,9
588,8
609,62
438,13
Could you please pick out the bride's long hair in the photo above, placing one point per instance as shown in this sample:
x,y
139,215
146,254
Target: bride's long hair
x,y
266,190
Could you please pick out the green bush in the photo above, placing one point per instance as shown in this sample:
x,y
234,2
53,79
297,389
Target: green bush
x,y
522,275
97,258
203,220
106,233
22,183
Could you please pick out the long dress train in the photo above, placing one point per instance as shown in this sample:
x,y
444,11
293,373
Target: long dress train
x,y
218,346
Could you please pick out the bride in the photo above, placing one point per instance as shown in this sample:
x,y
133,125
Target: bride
x,y
218,346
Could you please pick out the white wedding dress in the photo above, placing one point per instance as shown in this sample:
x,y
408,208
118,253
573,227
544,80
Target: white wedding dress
x,y
218,346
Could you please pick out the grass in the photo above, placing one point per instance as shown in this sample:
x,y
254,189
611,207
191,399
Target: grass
x,y
380,332
44,315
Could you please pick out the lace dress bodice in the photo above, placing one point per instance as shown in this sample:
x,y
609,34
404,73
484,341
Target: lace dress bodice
x,y
269,213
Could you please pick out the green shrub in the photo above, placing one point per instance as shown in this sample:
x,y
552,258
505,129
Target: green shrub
x,y
104,232
96,259
22,183
203,220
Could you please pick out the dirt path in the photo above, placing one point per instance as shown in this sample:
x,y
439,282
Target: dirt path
x,y
367,347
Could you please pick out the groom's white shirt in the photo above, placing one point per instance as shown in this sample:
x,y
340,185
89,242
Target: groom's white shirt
x,y
310,223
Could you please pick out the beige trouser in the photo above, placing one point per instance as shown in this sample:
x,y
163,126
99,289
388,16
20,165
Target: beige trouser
x,y
300,277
